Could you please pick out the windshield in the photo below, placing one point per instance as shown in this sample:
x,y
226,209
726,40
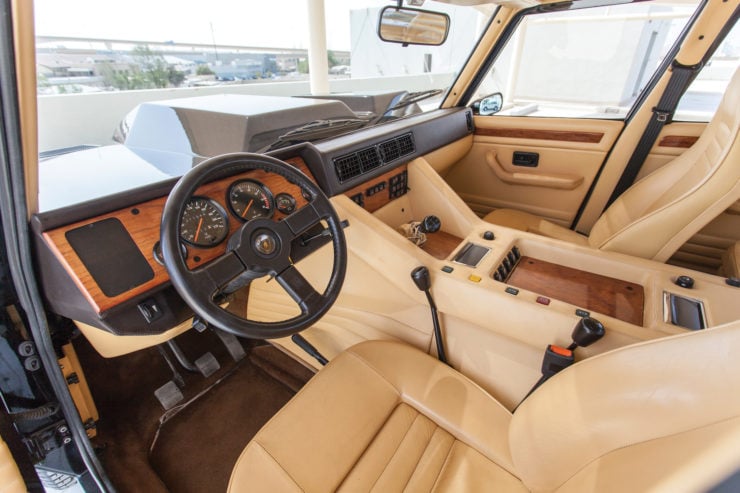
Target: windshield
x,y
97,60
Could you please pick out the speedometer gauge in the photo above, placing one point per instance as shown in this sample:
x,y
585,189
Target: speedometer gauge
x,y
249,199
204,223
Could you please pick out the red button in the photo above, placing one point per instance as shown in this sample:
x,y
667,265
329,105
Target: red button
x,y
543,301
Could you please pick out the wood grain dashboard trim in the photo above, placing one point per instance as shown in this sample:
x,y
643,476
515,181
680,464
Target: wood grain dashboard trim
x,y
142,223
527,133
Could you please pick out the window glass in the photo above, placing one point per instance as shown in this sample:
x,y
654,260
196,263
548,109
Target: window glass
x,y
112,77
584,63
181,48
702,98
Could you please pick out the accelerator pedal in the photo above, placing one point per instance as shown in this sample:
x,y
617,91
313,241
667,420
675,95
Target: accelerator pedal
x,y
169,395
233,346
207,365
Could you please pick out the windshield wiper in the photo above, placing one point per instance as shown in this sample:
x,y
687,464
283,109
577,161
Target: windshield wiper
x,y
317,130
414,97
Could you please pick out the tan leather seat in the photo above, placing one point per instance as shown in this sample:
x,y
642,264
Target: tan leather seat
x,y
382,416
659,213
731,261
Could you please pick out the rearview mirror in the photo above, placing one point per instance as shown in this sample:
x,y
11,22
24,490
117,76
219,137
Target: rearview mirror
x,y
410,26
489,105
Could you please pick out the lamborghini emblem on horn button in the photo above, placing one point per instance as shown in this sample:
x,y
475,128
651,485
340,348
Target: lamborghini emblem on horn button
x,y
265,244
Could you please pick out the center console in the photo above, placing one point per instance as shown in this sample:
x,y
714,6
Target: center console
x,y
556,275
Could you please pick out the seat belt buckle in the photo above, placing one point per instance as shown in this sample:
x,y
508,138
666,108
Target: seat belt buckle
x,y
556,359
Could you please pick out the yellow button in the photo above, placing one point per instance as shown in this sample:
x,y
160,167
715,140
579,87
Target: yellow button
x,y
474,278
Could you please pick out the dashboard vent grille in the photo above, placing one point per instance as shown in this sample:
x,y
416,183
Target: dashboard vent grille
x,y
368,158
396,148
347,166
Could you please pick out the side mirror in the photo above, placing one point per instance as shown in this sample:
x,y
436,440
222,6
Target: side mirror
x,y
410,26
489,105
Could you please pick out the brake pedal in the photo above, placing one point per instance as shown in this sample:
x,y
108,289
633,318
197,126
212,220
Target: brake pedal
x,y
233,346
169,395
207,365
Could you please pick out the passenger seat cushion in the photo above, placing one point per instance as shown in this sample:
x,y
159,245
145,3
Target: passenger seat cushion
x,y
523,221
384,415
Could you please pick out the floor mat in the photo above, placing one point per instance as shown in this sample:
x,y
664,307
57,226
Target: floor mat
x,y
197,448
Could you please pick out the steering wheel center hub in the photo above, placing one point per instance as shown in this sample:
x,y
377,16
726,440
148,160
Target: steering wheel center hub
x,y
265,244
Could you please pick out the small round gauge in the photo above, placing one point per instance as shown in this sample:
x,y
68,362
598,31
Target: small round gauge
x,y
249,199
204,223
285,203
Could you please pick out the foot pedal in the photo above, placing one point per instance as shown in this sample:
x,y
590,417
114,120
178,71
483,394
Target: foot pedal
x,y
169,395
207,365
233,346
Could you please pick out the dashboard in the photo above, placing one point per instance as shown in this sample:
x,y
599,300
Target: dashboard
x,y
100,261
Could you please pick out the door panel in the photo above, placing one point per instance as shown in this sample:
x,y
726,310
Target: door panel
x,y
569,154
672,141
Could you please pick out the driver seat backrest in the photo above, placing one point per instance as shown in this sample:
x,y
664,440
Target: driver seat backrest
x,y
660,415
655,216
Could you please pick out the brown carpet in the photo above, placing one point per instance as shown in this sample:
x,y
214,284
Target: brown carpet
x,y
197,448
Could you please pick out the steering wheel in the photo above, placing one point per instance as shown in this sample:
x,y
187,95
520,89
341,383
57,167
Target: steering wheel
x,y
260,247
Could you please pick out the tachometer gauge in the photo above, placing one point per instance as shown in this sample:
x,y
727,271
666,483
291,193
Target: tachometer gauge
x,y
249,199
285,203
204,223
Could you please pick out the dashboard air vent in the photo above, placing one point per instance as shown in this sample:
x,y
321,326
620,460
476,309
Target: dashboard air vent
x,y
469,121
396,148
347,166
368,158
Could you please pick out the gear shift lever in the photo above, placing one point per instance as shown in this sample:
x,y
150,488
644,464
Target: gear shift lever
x,y
421,278
430,224
587,331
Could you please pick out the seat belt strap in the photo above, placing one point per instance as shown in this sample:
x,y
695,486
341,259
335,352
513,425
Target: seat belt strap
x,y
681,77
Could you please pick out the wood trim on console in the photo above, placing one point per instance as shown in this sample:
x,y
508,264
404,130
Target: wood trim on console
x,y
680,141
142,223
526,133
619,299
440,244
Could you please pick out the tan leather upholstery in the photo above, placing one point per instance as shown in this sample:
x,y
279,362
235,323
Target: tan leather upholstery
x,y
731,261
383,416
10,477
659,213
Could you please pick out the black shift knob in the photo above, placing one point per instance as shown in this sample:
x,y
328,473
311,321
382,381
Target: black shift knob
x,y
430,224
587,331
420,275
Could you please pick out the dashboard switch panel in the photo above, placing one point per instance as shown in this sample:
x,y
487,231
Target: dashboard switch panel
x,y
398,185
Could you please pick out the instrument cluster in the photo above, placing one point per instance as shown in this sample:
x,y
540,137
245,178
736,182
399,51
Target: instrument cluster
x,y
205,222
